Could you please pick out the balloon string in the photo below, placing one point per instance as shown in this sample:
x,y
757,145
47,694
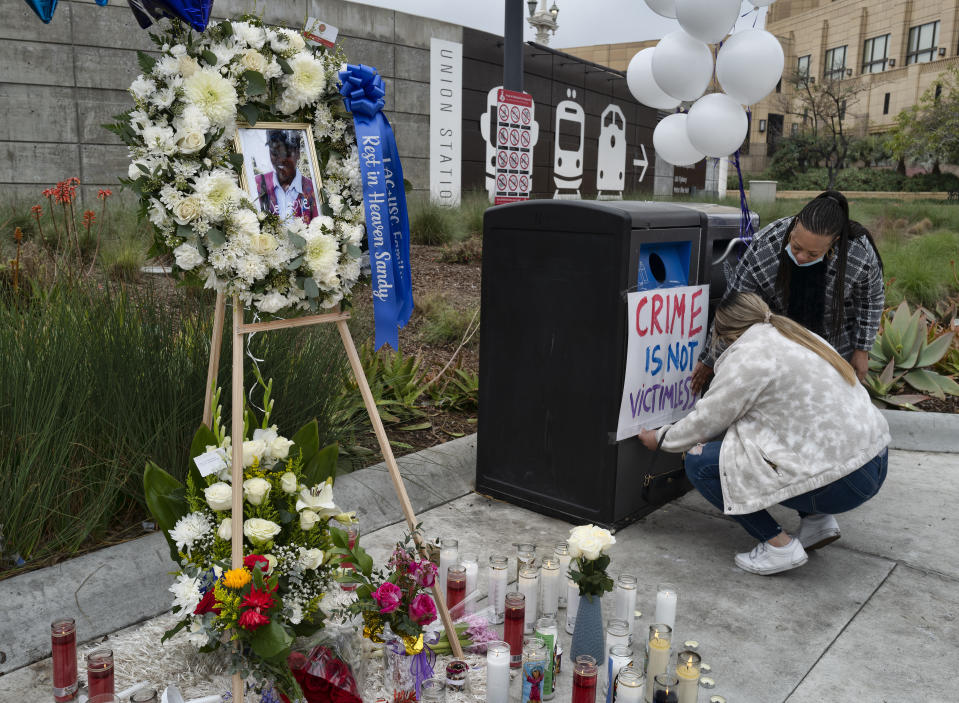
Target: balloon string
x,y
256,362
745,219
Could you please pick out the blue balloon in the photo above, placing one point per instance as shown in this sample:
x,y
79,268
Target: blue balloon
x,y
195,13
43,8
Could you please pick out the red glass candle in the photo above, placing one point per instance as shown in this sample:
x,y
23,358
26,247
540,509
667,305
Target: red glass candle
x,y
455,586
513,627
352,532
584,679
100,672
64,639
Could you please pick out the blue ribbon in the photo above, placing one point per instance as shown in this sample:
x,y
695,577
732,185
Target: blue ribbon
x,y
384,200
195,13
46,8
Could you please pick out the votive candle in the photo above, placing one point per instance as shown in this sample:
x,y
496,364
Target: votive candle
x,y
687,671
657,660
525,557
584,679
497,672
630,686
455,587
535,654
100,677
549,590
63,632
433,691
469,562
498,578
665,606
529,587
144,695
515,617
547,630
665,689
562,553
617,657
572,604
449,556
626,599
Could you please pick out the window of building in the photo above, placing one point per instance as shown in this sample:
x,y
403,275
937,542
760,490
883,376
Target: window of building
x,y
923,42
875,54
885,104
835,64
802,66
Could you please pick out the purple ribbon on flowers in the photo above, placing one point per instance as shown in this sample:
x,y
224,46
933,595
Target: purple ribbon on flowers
x,y
421,665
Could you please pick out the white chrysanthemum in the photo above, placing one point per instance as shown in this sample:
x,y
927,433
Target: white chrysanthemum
x,y
213,94
187,258
160,138
322,254
245,222
272,302
283,40
186,592
304,85
177,50
251,268
218,192
350,270
192,119
224,53
249,34
163,98
158,214
166,66
189,529
143,87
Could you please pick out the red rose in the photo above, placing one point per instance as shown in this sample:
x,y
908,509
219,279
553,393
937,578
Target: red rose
x,y
252,560
207,604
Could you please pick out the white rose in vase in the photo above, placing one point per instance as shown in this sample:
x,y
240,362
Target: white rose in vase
x,y
260,531
219,496
255,490
308,520
253,449
589,542
280,448
288,482
310,558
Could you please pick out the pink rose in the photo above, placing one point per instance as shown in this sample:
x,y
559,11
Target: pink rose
x,y
424,572
388,597
422,610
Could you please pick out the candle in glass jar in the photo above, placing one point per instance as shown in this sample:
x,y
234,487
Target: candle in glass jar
x,y
525,556
617,632
100,678
687,671
626,599
469,562
547,630
562,554
144,695
449,556
657,658
534,669
584,679
515,617
630,686
529,587
665,605
665,689
549,579
572,604
63,633
498,577
497,672
618,656
455,588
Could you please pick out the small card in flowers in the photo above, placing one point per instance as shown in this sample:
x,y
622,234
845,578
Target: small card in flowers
x,y
210,462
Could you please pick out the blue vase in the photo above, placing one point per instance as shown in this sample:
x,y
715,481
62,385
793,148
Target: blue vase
x,y
589,637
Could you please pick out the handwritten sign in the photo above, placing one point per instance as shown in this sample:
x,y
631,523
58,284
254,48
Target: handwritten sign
x,y
666,329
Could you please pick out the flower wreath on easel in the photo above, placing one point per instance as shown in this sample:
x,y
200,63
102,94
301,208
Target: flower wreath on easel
x,y
181,133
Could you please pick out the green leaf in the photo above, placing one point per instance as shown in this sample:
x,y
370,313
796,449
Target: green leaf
x,y
209,57
933,352
310,288
284,65
203,438
146,61
295,264
416,428
215,235
271,641
322,466
927,382
297,241
184,231
143,168
236,160
340,538
226,28
255,83
172,631
250,113
166,501
353,250
307,441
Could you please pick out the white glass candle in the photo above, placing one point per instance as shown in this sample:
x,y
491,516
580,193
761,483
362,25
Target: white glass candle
x,y
529,586
498,578
469,563
687,671
549,580
572,604
657,658
626,599
449,556
630,688
562,553
525,557
665,607
618,656
497,672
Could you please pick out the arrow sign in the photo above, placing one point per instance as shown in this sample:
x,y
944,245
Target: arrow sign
x,y
644,162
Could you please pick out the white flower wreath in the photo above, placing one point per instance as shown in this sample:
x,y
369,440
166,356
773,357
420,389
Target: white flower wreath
x,y
180,135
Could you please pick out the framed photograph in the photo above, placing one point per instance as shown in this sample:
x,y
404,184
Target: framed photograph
x,y
280,168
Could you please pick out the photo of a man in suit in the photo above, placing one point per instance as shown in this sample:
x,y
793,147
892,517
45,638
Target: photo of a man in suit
x,y
285,191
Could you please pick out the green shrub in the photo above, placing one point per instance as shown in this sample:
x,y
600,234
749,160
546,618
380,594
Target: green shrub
x,y
921,267
864,179
469,251
446,325
433,224
473,205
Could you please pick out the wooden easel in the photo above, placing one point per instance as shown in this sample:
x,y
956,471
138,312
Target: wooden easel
x,y
239,330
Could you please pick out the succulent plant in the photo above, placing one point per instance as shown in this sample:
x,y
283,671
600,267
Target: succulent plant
x,y
903,351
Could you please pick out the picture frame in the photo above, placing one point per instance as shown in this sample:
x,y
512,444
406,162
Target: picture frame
x,y
280,171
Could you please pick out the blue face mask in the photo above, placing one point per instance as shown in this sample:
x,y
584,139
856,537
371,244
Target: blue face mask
x,y
789,251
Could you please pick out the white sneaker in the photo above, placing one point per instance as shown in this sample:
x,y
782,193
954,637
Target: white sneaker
x,y
765,559
816,531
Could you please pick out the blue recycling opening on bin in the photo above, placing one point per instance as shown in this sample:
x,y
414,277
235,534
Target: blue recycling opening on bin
x,y
663,265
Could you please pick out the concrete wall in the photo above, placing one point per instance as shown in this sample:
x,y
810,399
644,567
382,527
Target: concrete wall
x,y
60,82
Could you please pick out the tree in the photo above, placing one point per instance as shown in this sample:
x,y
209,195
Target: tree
x,y
825,106
929,130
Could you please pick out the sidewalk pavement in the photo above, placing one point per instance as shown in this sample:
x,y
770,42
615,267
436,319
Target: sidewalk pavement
x,y
870,618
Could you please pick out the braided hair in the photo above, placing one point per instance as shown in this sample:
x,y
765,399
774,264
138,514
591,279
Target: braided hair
x,y
826,215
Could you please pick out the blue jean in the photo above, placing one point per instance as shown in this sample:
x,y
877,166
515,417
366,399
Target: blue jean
x,y
837,497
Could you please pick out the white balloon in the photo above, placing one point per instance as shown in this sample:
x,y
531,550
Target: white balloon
x,y
666,8
707,20
716,125
749,65
682,66
639,78
671,141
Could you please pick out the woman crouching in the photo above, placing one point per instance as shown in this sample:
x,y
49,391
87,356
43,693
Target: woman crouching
x,y
800,431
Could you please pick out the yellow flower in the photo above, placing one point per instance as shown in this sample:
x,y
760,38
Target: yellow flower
x,y
236,578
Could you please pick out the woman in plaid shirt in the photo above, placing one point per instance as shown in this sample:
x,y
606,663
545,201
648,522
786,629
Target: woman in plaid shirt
x,y
821,269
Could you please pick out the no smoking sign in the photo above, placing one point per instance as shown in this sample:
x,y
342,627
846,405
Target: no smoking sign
x,y
515,125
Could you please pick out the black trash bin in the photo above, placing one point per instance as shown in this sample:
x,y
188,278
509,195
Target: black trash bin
x,y
553,348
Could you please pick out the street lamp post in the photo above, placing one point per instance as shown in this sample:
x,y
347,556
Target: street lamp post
x,y
542,20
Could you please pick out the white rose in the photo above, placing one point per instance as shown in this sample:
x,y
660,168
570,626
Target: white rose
x,y
310,558
260,531
190,141
256,490
188,66
187,257
225,530
187,210
219,496
271,560
280,448
253,60
308,519
245,222
253,449
261,243
296,40
288,482
589,542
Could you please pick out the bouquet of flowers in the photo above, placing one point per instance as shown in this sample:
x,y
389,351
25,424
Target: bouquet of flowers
x,y
288,504
588,545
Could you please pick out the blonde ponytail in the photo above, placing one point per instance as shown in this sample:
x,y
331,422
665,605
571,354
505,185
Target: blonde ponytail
x,y
741,311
